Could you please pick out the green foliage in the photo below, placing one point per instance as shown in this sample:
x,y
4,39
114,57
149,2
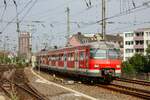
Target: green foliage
x,y
14,96
147,66
128,68
148,50
138,61
18,61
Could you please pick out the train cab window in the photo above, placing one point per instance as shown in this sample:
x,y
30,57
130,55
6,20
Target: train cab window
x,y
113,54
97,53
82,55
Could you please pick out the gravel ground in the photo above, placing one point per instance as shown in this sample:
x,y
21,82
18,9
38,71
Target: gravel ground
x,y
3,96
50,91
94,91
132,85
16,75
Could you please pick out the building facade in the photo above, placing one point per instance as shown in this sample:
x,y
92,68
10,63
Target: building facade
x,y
24,44
80,38
136,42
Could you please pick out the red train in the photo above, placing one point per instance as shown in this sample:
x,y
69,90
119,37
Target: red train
x,y
94,61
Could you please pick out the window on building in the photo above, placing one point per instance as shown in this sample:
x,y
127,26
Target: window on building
x,y
148,42
129,42
139,50
147,33
141,42
129,35
129,50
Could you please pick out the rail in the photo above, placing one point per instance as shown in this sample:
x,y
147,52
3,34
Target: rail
x,y
140,82
144,94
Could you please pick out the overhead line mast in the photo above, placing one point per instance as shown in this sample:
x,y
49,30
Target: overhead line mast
x,y
103,19
68,24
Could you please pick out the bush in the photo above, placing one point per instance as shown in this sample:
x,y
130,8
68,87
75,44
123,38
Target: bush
x,y
128,68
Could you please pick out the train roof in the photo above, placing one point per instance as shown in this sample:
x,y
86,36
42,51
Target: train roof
x,y
100,44
103,45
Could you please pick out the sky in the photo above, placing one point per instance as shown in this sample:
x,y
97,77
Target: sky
x,y
46,19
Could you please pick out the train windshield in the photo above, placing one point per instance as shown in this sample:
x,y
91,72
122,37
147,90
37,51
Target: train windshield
x,y
113,54
104,54
97,53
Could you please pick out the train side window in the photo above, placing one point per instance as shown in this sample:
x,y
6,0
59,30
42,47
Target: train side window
x,y
76,56
72,56
49,58
61,57
57,57
69,57
82,55
65,58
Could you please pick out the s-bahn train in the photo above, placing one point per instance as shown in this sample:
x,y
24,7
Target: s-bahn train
x,y
92,61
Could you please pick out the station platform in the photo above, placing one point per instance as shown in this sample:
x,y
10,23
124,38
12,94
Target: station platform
x,y
53,91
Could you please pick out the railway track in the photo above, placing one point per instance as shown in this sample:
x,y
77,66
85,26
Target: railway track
x,y
140,93
144,94
7,85
140,82
14,83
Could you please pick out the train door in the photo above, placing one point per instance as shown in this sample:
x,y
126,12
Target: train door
x,y
65,61
82,61
76,60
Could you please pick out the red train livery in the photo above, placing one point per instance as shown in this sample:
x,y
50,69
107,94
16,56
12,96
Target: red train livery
x,y
98,61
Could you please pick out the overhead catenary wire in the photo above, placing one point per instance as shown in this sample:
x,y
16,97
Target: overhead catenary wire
x,y
16,16
3,12
28,10
133,25
129,11
49,11
117,15
76,14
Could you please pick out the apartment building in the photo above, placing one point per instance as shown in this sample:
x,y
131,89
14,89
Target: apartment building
x,y
136,42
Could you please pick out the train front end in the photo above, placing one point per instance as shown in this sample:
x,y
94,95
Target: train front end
x,y
106,62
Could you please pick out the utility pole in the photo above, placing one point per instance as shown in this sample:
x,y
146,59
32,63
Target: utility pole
x,y
68,24
103,19
29,53
18,26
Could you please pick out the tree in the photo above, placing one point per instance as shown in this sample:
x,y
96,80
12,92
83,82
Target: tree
x,y
128,68
148,50
147,66
138,61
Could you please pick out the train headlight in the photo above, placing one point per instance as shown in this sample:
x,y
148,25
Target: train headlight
x,y
118,66
96,66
